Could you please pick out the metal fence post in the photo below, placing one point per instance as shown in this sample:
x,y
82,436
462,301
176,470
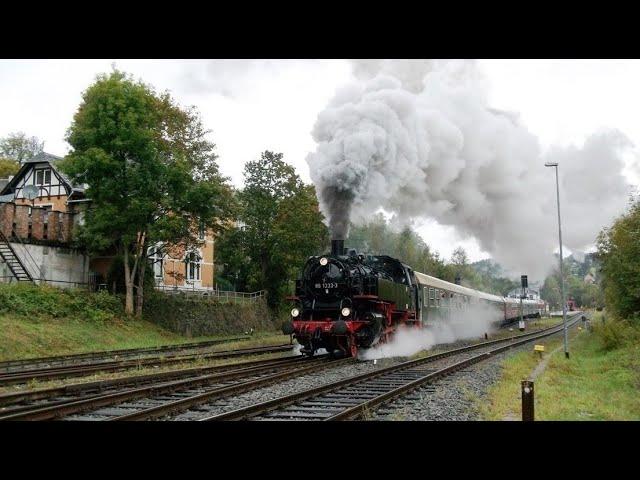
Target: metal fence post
x,y
527,401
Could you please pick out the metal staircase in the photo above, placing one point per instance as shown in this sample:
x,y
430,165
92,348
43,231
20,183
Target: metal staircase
x,y
8,254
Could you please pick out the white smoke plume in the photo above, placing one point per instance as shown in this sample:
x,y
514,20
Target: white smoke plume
x,y
419,139
472,323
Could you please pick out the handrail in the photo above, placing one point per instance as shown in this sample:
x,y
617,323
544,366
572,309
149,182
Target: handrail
x,y
205,292
7,241
15,235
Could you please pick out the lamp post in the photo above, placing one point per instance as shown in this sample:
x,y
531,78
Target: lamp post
x,y
564,304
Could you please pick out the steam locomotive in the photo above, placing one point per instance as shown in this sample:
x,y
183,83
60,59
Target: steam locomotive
x,y
345,301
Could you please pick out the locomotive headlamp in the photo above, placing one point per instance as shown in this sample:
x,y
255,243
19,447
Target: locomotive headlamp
x,y
346,311
295,312
323,261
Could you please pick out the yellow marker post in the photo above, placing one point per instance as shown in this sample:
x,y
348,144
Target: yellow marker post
x,y
539,349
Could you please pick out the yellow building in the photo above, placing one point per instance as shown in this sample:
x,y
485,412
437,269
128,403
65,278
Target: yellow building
x,y
179,268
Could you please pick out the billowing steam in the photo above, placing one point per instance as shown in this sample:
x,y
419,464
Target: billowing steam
x,y
418,139
472,323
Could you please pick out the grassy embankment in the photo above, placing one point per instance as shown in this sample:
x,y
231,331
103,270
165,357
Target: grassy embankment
x,y
45,321
601,380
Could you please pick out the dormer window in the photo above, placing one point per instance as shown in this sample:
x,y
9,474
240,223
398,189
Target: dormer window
x,y
42,176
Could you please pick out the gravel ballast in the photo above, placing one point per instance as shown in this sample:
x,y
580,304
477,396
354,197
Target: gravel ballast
x,y
451,398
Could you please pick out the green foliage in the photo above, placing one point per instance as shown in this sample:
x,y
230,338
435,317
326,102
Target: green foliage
x,y
116,274
222,283
550,291
149,167
48,302
585,294
8,167
613,333
198,316
619,254
378,238
459,257
281,226
19,147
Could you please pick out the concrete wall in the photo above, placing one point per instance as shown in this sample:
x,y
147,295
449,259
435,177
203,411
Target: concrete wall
x,y
61,267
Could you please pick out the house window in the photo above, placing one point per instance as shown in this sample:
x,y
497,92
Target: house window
x,y
42,177
156,256
193,266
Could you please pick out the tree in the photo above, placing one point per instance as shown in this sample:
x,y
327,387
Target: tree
x,y
19,147
459,257
280,226
8,167
619,255
151,173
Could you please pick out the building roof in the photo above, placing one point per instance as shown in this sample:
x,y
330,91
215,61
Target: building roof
x,y
7,198
43,157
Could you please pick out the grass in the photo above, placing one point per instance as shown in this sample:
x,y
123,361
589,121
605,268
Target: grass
x,y
38,321
599,382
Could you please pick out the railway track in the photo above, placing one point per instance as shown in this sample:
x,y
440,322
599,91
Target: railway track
x,y
158,399
9,366
50,373
354,397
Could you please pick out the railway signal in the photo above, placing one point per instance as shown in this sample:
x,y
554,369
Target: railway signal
x,y
525,283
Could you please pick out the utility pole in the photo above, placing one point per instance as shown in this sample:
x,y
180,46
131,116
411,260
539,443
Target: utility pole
x,y
564,303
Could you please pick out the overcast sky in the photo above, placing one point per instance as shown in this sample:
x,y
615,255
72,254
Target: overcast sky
x,y
251,106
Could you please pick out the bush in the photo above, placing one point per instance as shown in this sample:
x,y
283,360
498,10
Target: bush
x,y
42,301
615,334
198,316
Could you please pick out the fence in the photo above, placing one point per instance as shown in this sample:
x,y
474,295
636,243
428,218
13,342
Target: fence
x,y
46,281
222,296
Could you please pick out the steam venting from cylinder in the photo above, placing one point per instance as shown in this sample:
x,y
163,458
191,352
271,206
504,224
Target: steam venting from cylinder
x,y
337,247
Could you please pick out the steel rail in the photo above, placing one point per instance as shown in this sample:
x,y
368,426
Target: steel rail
x,y
111,398
186,403
27,362
15,401
287,400
86,369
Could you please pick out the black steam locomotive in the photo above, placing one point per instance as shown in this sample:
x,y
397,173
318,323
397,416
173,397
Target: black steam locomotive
x,y
344,301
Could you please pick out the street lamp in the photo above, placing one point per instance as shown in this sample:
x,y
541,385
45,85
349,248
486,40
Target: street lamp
x,y
564,305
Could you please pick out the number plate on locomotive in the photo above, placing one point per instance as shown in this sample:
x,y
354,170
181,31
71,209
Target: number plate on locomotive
x,y
326,285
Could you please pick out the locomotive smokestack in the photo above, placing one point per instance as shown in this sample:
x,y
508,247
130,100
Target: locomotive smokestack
x,y
337,247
